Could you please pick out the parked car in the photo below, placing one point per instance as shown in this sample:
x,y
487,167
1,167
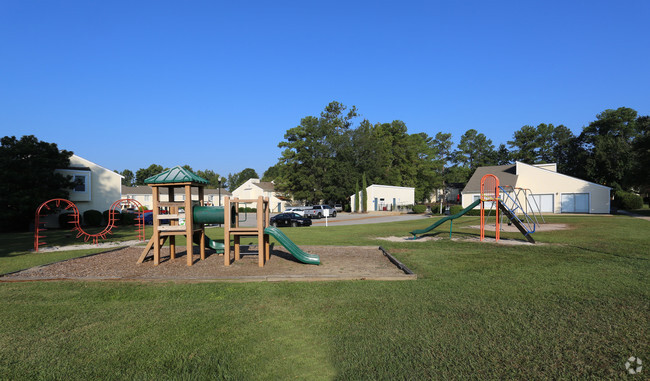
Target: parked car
x,y
318,211
289,219
296,209
338,207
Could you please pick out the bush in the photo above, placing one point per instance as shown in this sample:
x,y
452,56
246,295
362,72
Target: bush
x,y
454,209
65,220
628,201
118,218
247,210
474,212
128,218
93,217
419,209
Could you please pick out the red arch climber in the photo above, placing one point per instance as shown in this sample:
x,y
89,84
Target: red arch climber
x,y
69,205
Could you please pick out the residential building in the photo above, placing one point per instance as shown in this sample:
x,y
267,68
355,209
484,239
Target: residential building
x,y
253,188
386,197
542,188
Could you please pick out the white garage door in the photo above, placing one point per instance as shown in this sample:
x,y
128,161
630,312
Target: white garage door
x,y
575,202
542,201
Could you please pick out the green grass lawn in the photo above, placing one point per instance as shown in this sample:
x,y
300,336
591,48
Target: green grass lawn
x,y
575,306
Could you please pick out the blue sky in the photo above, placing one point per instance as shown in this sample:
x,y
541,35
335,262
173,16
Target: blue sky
x,y
216,84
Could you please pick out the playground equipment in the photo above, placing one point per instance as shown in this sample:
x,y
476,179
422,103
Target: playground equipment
x,y
490,192
448,218
530,205
57,203
189,218
492,196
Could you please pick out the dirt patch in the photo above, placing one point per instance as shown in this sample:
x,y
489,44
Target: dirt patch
x,y
513,228
337,263
464,239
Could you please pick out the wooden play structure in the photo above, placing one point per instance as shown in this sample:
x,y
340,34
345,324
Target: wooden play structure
x,y
233,229
188,218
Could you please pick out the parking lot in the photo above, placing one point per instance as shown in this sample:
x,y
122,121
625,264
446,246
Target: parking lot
x,y
343,218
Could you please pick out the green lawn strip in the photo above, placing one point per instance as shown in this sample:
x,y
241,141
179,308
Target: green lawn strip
x,y
574,308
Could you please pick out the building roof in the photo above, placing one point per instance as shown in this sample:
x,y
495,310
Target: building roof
x,y
145,190
177,174
267,186
506,173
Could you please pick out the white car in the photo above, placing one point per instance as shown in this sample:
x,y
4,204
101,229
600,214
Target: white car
x,y
297,210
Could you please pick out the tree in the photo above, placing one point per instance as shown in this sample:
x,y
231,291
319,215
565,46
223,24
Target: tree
x,y
143,173
356,197
428,166
237,179
311,168
503,155
610,141
474,150
641,146
535,145
28,178
364,193
213,178
128,178
272,173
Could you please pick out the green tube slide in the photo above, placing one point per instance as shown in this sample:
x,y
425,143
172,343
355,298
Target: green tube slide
x,y
208,215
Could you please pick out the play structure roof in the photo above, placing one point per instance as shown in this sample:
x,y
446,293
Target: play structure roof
x,y
177,174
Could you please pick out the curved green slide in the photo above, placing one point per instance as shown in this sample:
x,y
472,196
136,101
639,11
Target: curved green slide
x,y
310,259
448,218
215,245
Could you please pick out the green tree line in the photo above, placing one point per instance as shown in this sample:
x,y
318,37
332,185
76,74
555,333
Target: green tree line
x,y
325,156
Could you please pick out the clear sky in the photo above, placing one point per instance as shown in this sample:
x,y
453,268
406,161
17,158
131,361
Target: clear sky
x,y
216,84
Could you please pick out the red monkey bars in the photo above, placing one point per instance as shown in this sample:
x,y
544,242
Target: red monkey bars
x,y
69,205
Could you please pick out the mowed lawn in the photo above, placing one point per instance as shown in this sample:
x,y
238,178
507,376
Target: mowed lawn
x,y
575,306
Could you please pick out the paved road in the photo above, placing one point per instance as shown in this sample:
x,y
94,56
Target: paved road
x,y
345,219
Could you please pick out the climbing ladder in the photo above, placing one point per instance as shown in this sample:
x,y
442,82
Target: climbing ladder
x,y
525,226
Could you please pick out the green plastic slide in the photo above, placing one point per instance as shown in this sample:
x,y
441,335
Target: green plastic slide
x,y
448,218
310,259
216,246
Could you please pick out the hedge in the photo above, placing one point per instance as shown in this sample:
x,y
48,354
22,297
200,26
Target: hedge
x,y
628,201
419,209
65,220
93,217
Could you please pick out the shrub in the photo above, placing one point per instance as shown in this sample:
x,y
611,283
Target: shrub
x,y
628,201
454,209
419,209
118,218
473,212
65,220
93,217
247,210
128,218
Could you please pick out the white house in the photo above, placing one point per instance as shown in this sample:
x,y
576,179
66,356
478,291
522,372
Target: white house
x,y
99,187
386,197
253,188
545,188
143,194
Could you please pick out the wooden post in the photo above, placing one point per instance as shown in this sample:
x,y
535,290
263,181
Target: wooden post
x,y
260,232
226,231
188,223
156,224
267,212
172,210
202,244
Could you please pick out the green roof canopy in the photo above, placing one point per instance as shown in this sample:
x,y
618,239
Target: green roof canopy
x,y
177,174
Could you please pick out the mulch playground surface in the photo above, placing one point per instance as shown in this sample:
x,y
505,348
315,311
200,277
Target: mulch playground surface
x,y
337,263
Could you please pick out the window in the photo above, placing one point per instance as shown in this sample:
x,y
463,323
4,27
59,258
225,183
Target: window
x,y
575,202
80,183
147,197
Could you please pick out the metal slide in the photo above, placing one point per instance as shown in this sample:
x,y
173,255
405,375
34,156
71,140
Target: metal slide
x,y
517,222
448,218
310,259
